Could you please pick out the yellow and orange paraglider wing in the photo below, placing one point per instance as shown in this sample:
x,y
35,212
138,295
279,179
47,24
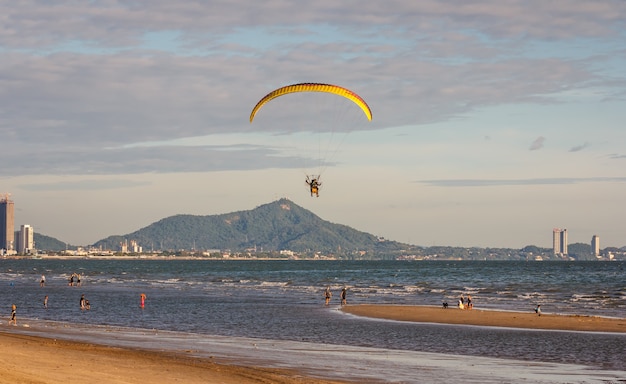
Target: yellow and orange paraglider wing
x,y
314,87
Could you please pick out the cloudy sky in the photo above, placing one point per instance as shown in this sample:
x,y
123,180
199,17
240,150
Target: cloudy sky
x,y
493,121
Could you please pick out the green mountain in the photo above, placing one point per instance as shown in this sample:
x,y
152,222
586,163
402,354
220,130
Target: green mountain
x,y
580,251
47,243
283,225
280,225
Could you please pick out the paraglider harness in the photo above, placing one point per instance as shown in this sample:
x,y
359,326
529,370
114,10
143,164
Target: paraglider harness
x,y
314,185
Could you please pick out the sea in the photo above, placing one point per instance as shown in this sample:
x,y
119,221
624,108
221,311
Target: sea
x,y
271,313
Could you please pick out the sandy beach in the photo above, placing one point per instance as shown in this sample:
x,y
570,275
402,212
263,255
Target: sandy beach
x,y
34,359
452,315
28,359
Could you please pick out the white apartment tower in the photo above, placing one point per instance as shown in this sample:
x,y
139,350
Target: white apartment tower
x,y
26,240
559,241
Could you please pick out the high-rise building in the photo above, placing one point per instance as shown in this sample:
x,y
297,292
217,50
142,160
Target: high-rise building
x,y
559,241
595,245
26,240
556,240
7,223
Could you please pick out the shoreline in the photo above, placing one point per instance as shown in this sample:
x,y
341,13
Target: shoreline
x,y
40,359
48,353
488,318
156,257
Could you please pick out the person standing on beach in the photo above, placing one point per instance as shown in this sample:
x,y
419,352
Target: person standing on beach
x,y
470,305
42,282
461,302
538,310
13,315
344,293
327,295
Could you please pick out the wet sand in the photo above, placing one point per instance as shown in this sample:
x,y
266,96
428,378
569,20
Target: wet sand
x,y
34,359
29,359
452,315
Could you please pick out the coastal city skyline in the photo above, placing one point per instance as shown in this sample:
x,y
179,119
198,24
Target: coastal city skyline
x,y
491,121
22,242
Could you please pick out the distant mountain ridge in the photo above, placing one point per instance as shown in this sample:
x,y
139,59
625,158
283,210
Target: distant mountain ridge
x,y
49,243
280,225
283,225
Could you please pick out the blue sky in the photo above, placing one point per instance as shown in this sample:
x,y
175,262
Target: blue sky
x,y
493,121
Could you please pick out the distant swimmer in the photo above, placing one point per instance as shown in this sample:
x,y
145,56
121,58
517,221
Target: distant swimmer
x,y
82,302
42,282
13,315
143,300
45,302
327,295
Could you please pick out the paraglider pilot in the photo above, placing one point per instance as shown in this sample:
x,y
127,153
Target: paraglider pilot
x,y
314,185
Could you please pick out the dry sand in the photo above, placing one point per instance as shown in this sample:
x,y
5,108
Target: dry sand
x,y
28,359
426,314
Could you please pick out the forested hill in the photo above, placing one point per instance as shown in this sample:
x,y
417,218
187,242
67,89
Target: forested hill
x,y
280,225
49,243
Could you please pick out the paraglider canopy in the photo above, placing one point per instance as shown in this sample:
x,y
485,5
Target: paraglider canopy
x,y
314,87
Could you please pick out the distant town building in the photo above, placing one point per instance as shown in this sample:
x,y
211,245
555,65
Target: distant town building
x,y
559,241
595,245
7,224
132,248
26,240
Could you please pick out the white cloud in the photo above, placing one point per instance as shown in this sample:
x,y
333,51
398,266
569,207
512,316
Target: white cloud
x,y
580,147
537,143
505,182
117,90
